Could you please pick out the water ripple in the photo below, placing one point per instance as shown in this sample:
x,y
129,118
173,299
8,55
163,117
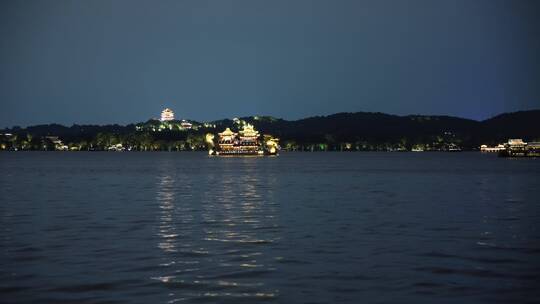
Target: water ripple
x,y
301,228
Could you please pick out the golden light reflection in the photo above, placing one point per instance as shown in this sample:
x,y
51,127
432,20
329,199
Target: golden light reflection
x,y
242,208
165,197
221,228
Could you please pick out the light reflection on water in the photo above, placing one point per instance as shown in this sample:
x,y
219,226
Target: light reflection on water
x,y
213,238
167,229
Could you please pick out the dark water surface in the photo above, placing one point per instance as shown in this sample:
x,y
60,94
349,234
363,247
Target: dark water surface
x,y
299,228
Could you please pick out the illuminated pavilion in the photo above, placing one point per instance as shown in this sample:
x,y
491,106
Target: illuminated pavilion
x,y
226,140
249,137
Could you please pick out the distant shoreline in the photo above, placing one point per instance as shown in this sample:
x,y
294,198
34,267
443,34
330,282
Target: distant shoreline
x,y
205,151
359,131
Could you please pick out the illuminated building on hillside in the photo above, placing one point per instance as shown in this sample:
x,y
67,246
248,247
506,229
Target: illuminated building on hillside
x,y
167,115
186,125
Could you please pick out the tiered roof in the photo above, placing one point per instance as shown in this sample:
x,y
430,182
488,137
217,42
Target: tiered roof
x,y
249,131
227,132
167,115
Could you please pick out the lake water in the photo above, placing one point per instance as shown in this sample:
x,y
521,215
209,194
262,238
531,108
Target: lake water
x,y
299,228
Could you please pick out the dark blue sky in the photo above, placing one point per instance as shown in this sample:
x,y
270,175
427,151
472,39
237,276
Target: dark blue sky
x,y
123,61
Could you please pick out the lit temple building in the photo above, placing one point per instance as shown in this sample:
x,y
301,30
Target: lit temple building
x,y
167,115
249,138
227,140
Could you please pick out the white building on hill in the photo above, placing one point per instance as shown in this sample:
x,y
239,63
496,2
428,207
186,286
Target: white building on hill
x,y
167,115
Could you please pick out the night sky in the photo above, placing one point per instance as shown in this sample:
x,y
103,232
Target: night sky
x,y
123,61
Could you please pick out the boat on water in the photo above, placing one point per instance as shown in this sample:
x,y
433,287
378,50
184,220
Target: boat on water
x,y
519,148
245,142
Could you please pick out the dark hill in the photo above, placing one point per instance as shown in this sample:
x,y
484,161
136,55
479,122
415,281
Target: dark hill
x,y
523,124
361,131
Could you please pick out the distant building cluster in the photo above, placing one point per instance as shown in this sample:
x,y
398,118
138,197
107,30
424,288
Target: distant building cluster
x,y
168,121
168,115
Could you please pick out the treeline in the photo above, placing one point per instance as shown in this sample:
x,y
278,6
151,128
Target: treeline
x,y
339,132
92,138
